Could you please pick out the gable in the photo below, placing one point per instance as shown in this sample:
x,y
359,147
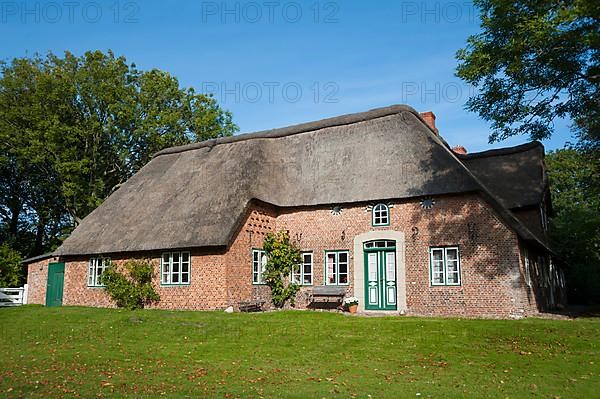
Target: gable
x,y
514,175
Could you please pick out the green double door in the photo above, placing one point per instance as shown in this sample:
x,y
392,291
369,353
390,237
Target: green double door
x,y
56,279
380,275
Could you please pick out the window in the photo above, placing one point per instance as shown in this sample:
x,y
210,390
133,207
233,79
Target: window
x,y
175,268
445,266
381,215
302,274
259,261
380,244
336,267
96,267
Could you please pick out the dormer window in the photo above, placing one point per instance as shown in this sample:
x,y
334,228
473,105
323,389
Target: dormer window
x,y
381,215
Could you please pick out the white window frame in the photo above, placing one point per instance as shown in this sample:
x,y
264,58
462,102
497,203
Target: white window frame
x,y
96,266
167,260
299,275
259,261
336,267
381,212
445,271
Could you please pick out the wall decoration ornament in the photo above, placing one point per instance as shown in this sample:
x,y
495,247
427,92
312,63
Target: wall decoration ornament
x,y
472,229
427,203
415,233
336,210
343,237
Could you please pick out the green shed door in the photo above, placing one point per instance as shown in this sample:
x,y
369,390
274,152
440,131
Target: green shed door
x,y
54,289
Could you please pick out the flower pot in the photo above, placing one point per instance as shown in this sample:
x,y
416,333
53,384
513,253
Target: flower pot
x,y
352,308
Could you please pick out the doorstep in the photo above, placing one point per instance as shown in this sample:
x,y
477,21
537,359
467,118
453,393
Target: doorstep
x,y
376,313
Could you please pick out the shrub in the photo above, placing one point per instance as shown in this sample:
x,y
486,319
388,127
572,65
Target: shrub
x,y
11,271
282,257
132,289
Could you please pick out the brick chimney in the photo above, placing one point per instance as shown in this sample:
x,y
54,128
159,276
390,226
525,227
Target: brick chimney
x,y
459,149
429,118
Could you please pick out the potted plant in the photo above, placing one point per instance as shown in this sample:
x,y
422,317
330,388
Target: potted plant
x,y
351,303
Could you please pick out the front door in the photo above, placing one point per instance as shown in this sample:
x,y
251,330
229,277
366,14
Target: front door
x,y
380,275
54,289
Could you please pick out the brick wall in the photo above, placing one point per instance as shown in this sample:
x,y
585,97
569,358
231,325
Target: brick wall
x,y
491,264
260,220
37,280
492,282
205,291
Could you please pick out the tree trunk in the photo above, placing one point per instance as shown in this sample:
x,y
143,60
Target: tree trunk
x,y
15,212
39,237
15,205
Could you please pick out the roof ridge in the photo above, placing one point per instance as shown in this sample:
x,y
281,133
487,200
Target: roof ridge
x,y
341,120
501,151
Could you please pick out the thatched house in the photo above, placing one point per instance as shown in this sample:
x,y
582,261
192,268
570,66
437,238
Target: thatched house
x,y
382,207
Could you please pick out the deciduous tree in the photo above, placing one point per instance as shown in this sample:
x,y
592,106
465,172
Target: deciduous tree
x,y
74,128
575,228
533,62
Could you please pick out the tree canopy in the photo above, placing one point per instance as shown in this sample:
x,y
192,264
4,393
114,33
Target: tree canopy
x,y
575,227
535,61
11,271
74,128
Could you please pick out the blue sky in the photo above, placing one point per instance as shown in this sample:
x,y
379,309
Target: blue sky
x,y
277,63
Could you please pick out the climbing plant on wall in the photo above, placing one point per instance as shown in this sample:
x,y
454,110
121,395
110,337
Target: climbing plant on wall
x,y
282,257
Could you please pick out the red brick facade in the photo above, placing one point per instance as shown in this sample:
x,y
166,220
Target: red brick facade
x,y
492,268
37,279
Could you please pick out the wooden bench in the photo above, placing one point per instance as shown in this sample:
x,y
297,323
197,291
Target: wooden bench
x,y
251,306
327,295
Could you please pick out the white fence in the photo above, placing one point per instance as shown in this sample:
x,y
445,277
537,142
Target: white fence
x,y
13,296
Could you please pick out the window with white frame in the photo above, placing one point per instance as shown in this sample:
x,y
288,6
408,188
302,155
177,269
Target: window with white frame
x,y
381,215
175,268
445,266
96,267
336,267
302,273
259,261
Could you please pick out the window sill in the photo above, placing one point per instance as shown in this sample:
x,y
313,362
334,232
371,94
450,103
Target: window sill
x,y
175,285
444,285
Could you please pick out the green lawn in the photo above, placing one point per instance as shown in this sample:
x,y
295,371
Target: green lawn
x,y
84,352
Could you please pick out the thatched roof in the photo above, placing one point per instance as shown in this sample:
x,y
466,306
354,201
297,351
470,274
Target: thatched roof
x,y
196,195
515,175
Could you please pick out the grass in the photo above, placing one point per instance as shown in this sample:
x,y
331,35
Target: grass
x,y
86,352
